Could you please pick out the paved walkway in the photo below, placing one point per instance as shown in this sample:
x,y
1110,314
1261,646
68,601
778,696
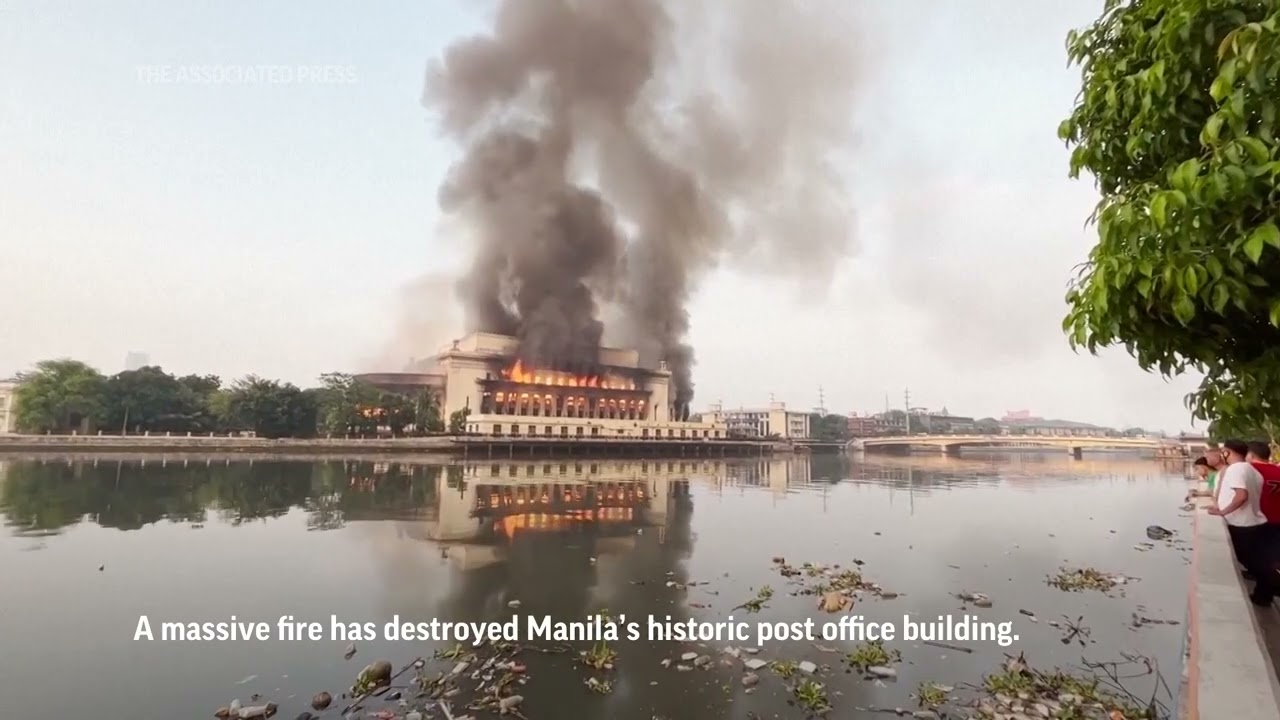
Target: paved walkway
x,y
1233,644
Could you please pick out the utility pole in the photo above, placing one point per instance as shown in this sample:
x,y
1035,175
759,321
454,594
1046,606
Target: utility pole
x,y
822,403
906,399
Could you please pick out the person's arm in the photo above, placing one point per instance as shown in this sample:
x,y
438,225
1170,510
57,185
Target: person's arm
x,y
1237,501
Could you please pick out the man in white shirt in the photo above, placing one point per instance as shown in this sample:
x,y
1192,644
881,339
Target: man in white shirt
x,y
1238,502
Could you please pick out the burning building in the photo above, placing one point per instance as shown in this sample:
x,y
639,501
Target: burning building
x,y
507,396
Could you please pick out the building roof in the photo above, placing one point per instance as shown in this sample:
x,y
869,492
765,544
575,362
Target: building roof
x,y
1042,422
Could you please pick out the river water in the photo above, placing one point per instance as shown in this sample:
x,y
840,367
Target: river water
x,y
89,545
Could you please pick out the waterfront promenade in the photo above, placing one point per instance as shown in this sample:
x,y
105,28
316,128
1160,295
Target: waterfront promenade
x,y
479,446
1232,645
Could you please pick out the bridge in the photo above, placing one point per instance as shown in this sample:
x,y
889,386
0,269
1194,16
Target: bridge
x,y
951,444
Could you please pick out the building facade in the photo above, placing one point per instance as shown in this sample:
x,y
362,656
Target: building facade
x,y
8,403
483,375
877,425
1040,427
773,421
136,360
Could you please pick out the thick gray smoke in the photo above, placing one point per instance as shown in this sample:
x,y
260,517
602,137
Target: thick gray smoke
x,y
617,150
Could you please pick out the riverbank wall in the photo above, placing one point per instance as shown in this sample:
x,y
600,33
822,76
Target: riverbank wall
x,y
1232,645
465,446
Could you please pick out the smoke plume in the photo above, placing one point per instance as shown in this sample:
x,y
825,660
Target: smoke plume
x,y
615,151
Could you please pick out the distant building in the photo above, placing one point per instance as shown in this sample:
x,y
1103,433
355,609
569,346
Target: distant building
x,y
877,425
939,423
1053,428
8,398
136,360
774,421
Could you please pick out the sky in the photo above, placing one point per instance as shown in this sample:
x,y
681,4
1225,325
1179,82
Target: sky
x,y
287,225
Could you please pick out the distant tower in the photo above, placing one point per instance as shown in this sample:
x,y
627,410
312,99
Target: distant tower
x,y
136,360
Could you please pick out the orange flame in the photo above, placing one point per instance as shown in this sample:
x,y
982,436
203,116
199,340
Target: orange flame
x,y
518,373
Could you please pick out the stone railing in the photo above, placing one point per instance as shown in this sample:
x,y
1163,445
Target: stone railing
x,y
1231,673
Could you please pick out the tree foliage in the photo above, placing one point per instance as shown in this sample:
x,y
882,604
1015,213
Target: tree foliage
x,y
829,428
270,409
151,400
427,413
351,407
59,396
1177,121
458,421
343,400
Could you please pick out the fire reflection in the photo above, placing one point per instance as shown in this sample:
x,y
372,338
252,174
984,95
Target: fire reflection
x,y
553,507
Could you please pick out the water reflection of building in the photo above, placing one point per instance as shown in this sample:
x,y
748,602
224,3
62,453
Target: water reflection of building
x,y
490,505
775,473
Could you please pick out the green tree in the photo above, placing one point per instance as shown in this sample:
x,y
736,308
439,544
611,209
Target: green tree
x,y
1235,428
269,408
458,421
149,399
1177,121
396,412
829,428
347,406
427,413
198,395
59,396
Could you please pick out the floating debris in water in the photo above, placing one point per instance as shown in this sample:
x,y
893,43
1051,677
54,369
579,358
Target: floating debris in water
x,y
976,599
755,604
812,696
872,654
931,695
1021,691
1078,579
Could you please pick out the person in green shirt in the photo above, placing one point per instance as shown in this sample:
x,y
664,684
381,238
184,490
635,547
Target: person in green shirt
x,y
1204,472
1207,467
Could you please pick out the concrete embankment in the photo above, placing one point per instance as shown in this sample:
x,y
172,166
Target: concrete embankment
x,y
1231,656
466,446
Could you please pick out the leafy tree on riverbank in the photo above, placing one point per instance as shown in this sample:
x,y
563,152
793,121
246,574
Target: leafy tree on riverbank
x,y
1177,121
427,413
828,428
59,396
351,407
270,409
149,399
458,421
342,398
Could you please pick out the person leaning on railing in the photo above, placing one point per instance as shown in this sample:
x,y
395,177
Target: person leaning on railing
x,y
1260,457
1239,498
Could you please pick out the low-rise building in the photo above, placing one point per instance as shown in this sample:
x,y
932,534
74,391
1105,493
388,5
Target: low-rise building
x,y
940,423
773,421
1019,425
877,425
8,406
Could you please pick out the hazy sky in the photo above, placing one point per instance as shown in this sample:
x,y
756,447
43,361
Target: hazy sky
x,y
273,227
